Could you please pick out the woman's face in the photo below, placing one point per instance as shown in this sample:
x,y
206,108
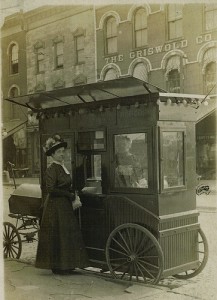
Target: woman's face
x,y
59,154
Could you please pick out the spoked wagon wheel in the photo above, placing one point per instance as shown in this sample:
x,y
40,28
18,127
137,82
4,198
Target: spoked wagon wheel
x,y
12,243
133,253
202,250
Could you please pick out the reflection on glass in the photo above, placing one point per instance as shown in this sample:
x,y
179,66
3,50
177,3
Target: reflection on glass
x,y
131,162
173,159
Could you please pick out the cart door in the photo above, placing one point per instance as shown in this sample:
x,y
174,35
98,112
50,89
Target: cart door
x,y
91,151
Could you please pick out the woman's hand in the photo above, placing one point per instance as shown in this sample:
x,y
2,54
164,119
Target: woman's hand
x,y
77,202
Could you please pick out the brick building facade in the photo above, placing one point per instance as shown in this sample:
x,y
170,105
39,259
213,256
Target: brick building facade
x,y
172,46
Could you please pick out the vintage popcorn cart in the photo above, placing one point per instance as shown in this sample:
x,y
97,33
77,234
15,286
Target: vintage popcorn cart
x,y
131,153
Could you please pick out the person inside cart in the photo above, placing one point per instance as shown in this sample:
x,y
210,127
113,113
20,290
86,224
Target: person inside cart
x,y
60,247
128,169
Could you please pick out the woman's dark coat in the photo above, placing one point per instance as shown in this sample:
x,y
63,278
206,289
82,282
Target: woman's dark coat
x,y
60,244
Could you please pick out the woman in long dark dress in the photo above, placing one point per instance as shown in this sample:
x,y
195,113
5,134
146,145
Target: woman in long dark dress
x,y
60,246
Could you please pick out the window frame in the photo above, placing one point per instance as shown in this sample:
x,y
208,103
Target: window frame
x,y
39,61
162,129
57,56
206,82
174,20
115,36
14,63
93,151
150,152
141,29
79,62
171,81
205,16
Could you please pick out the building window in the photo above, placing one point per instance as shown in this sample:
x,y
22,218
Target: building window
x,y
111,36
210,77
14,59
110,74
140,28
79,46
173,83
40,60
210,16
13,111
175,21
140,72
58,55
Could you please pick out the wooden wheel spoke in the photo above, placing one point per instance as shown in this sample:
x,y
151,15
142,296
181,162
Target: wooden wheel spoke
x,y
142,257
117,259
119,266
141,244
119,245
117,251
136,271
146,269
149,264
148,256
140,270
123,239
146,249
129,238
13,250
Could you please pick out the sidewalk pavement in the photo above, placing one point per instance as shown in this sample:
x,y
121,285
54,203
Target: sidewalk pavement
x,y
24,282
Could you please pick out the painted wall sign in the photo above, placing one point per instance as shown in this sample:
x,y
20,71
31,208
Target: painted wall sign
x,y
158,49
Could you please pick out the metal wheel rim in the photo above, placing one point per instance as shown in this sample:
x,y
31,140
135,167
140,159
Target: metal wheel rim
x,y
204,252
139,256
12,244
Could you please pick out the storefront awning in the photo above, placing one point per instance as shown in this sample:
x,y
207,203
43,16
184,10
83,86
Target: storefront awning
x,y
12,127
108,90
88,93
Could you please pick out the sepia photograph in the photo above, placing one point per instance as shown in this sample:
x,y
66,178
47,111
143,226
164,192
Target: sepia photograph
x,y
108,150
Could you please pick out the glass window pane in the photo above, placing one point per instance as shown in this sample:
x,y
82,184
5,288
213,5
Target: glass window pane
x,y
175,29
112,45
175,11
80,42
173,159
140,19
111,28
211,20
131,160
59,48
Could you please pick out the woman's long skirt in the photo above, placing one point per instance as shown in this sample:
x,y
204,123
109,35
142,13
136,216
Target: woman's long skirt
x,y
60,243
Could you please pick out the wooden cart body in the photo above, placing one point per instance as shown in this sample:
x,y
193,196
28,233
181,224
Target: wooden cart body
x,y
90,118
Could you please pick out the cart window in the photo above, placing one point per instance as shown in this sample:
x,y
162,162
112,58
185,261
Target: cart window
x,y
91,140
131,161
173,159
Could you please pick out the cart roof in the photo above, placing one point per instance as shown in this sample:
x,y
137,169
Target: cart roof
x,y
95,92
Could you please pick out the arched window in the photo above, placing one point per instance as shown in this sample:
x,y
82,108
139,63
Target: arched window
x,y
173,83
210,77
111,35
110,74
140,28
140,72
14,92
13,59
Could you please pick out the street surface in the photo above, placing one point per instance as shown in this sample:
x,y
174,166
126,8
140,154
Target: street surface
x,y
31,283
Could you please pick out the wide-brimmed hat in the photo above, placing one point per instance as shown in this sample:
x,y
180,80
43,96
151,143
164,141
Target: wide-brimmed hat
x,y
53,143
